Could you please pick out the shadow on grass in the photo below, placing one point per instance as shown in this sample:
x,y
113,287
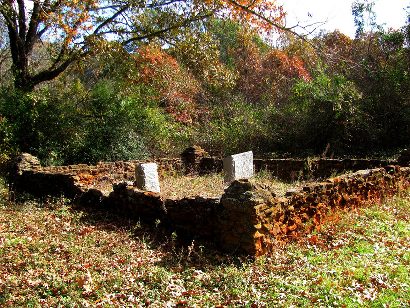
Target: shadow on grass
x,y
179,251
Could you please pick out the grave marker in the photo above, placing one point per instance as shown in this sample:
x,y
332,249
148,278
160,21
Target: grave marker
x,y
146,177
238,166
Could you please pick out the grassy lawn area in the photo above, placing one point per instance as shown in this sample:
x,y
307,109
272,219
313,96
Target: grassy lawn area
x,y
54,255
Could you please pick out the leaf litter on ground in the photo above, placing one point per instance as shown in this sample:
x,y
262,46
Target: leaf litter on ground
x,y
53,254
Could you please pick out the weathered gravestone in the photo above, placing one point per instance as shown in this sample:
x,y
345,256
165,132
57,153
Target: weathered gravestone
x,y
238,166
146,177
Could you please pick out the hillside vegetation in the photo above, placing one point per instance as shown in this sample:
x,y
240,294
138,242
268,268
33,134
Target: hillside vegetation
x,y
220,83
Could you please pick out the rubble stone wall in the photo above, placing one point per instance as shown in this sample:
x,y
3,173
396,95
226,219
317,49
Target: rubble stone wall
x,y
248,218
190,218
41,184
253,219
295,169
120,170
115,172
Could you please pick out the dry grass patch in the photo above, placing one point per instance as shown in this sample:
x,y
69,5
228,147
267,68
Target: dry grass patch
x,y
180,186
277,186
212,185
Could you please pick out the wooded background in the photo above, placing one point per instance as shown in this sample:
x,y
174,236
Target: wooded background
x,y
83,81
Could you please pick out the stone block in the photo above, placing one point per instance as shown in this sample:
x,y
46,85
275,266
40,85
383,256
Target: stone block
x,y
238,167
23,162
146,177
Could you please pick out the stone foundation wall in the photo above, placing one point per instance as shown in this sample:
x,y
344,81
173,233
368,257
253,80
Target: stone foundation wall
x,y
283,169
296,169
253,220
41,184
76,179
113,171
191,218
247,219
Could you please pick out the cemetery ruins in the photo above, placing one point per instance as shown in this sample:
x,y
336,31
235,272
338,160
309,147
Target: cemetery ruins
x,y
249,218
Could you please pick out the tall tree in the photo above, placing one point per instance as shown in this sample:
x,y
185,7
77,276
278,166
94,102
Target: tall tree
x,y
364,16
71,29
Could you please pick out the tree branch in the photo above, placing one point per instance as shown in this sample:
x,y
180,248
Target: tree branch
x,y
265,19
50,74
9,15
110,19
31,36
165,30
22,20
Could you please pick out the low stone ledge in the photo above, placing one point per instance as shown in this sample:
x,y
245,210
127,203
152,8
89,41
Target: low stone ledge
x,y
283,169
253,220
134,203
193,217
41,184
248,219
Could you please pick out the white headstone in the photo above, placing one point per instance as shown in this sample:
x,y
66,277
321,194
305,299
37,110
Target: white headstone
x,y
238,166
146,177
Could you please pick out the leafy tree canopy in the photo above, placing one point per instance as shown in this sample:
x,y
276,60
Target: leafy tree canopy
x,y
74,29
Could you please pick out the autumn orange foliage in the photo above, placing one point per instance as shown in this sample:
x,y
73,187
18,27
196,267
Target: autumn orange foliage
x,y
71,17
175,87
262,74
289,66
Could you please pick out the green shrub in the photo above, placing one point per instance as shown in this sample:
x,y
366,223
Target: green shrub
x,y
324,112
235,126
7,147
72,125
117,127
